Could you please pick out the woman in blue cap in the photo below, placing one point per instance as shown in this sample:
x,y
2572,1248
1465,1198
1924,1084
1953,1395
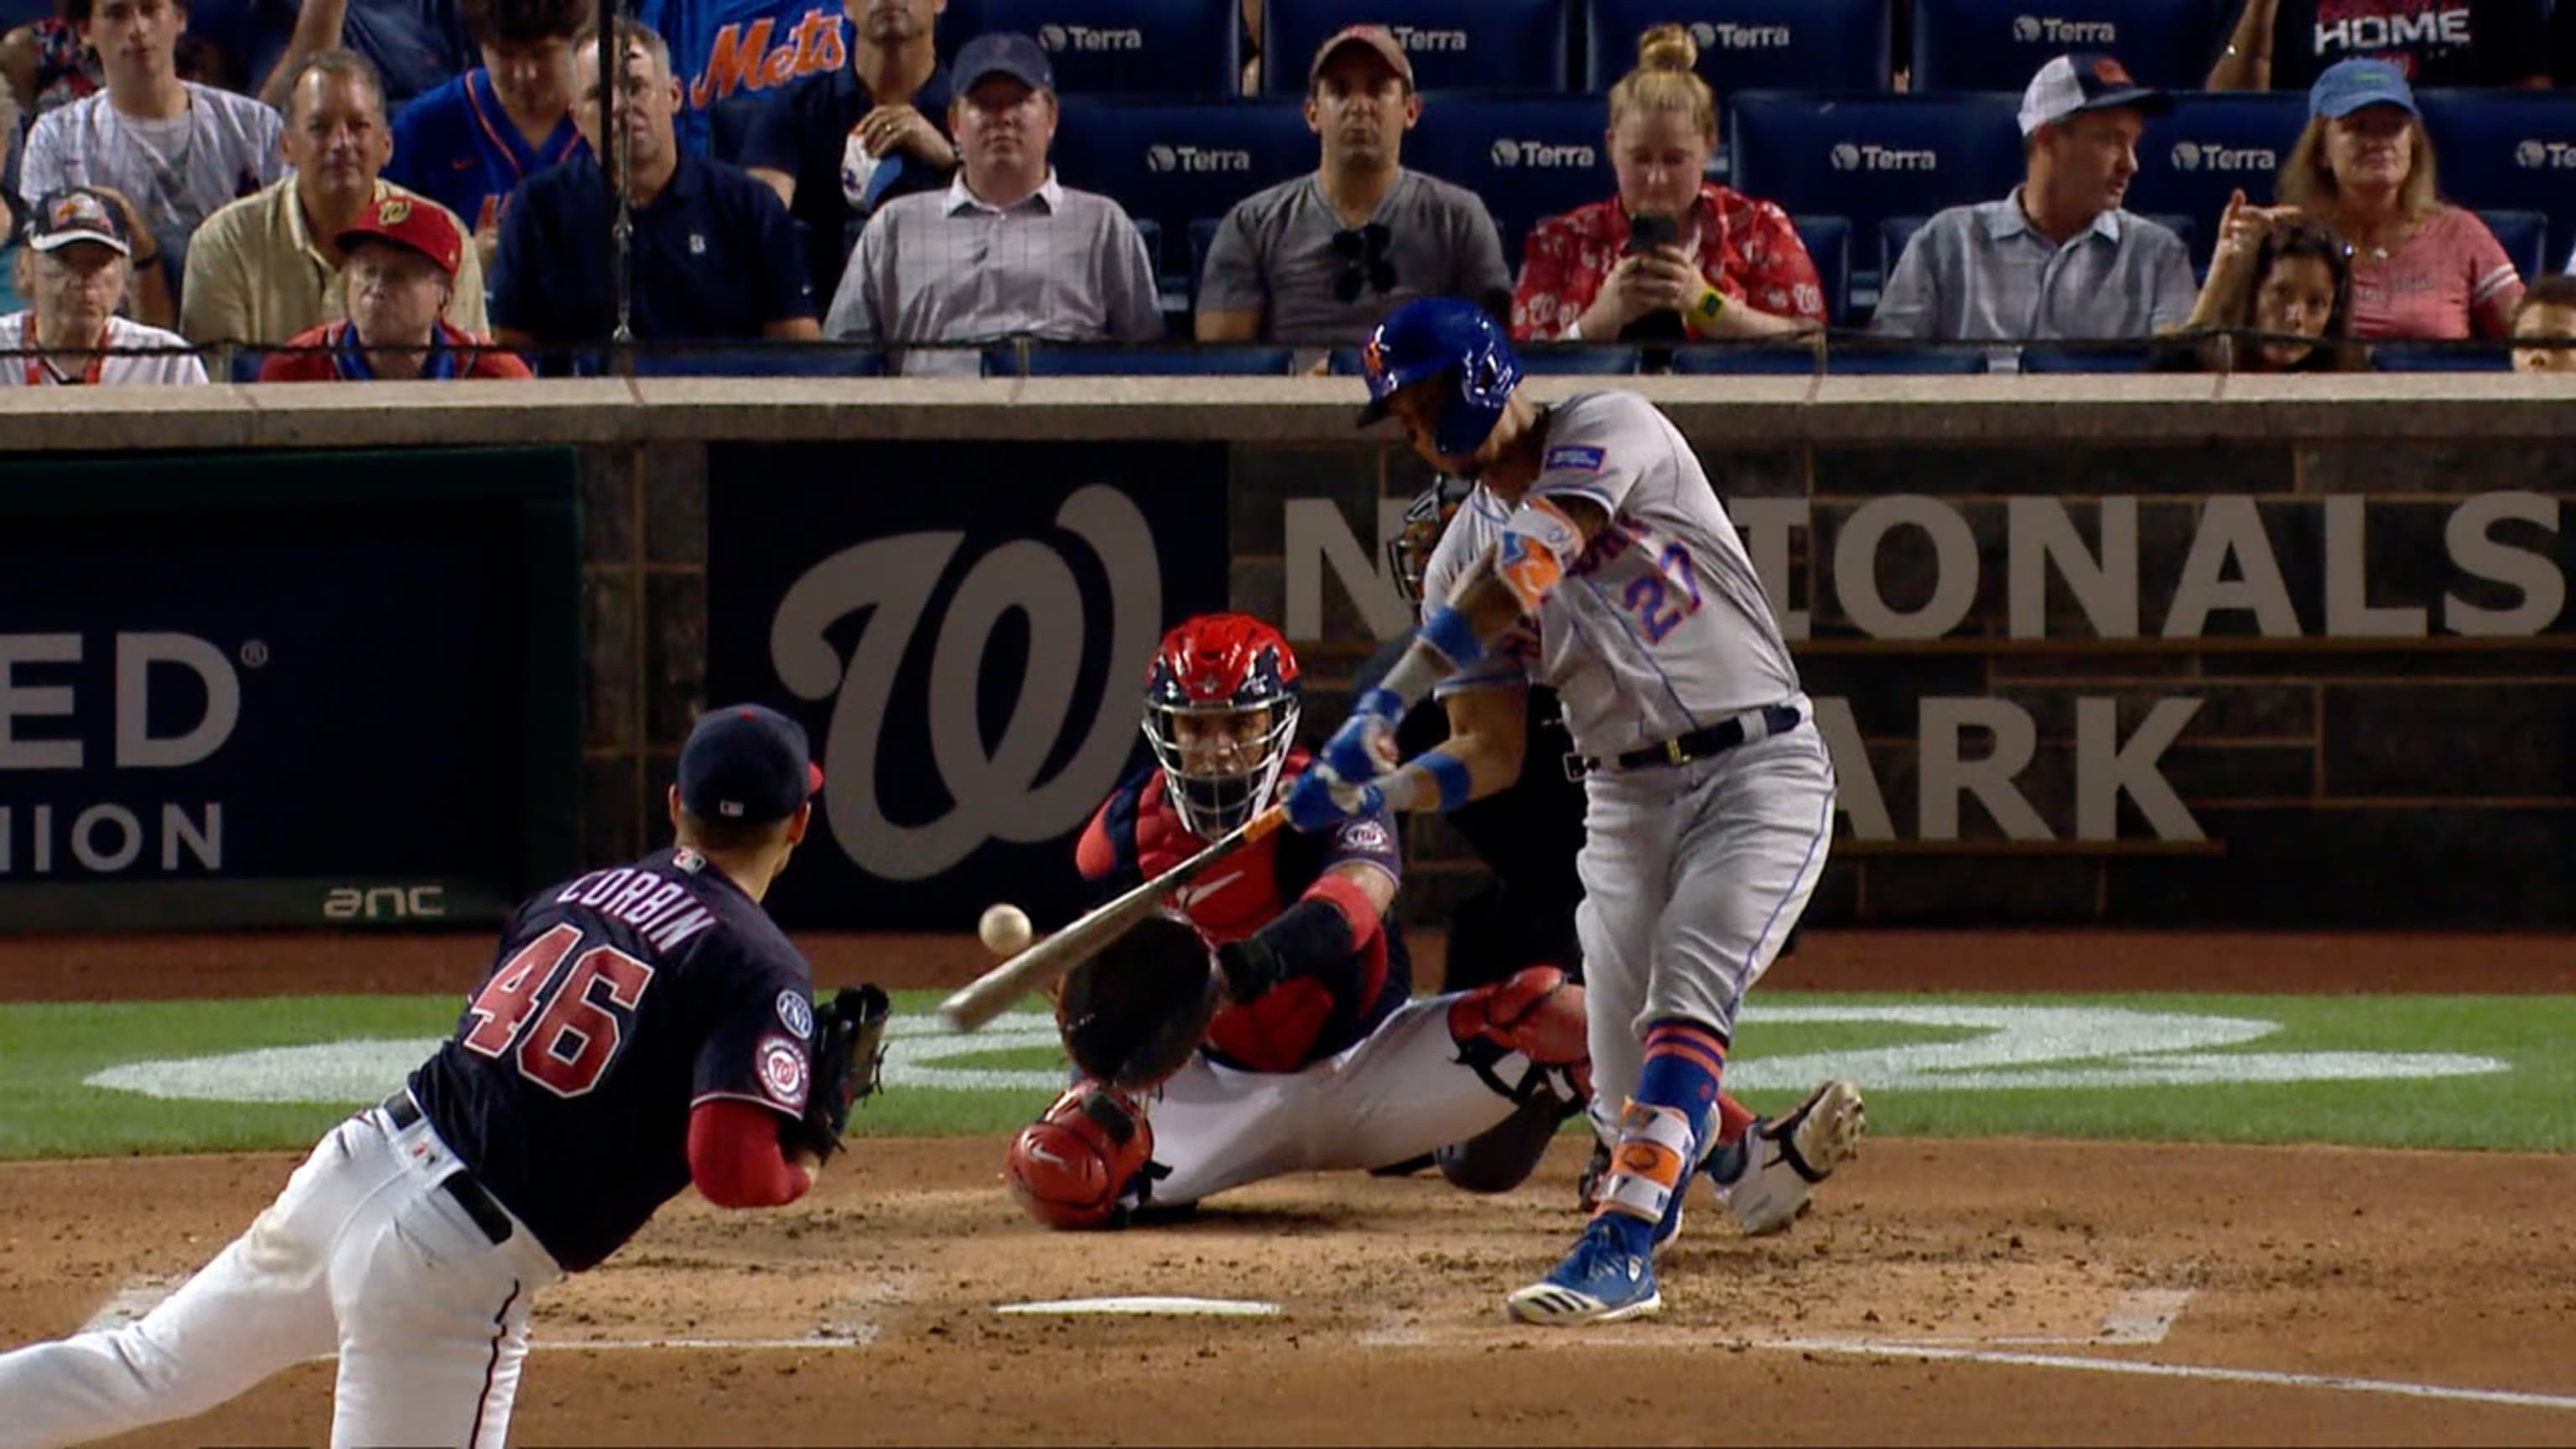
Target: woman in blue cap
x,y
2421,267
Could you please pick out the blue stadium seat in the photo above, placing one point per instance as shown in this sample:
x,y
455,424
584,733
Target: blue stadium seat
x,y
1179,163
2210,146
1808,45
764,359
1043,360
1994,45
2524,236
1828,243
1453,44
1845,362
1576,359
1529,159
2085,359
1867,158
2508,151
1893,234
1118,47
2428,357
246,363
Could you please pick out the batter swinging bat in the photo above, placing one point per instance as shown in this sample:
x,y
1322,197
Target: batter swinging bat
x,y
1041,965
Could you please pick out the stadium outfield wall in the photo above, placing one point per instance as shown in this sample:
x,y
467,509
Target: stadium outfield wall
x,y
2121,649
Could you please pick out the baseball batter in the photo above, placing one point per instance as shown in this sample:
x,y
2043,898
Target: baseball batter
x,y
1317,1056
1595,559
643,1028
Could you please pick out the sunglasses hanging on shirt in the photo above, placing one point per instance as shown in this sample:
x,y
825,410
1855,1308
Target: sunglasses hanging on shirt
x,y
1363,251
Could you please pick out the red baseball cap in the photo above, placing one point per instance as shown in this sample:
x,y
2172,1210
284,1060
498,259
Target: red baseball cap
x,y
409,221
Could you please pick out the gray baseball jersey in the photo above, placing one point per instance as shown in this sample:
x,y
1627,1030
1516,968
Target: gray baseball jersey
x,y
1661,627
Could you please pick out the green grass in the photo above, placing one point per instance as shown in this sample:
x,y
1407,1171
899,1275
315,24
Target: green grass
x,y
47,1110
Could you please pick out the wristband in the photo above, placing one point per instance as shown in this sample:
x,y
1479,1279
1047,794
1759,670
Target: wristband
x,y
1711,302
1448,631
1450,773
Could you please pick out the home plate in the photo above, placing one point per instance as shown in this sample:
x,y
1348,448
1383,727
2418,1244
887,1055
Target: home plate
x,y
1187,1307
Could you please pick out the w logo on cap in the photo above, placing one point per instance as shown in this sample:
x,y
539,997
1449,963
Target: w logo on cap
x,y
393,210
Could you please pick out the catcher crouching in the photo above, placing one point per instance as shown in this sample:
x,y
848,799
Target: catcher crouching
x,y
1265,1025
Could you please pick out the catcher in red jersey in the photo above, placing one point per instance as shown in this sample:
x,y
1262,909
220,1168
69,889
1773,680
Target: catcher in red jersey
x,y
1306,1050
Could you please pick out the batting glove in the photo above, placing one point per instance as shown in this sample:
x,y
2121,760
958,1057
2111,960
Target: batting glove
x,y
1364,747
1318,801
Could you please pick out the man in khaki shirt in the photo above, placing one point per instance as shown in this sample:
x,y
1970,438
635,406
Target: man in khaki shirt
x,y
267,267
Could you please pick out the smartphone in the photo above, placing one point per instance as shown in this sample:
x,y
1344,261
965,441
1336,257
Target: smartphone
x,y
1645,233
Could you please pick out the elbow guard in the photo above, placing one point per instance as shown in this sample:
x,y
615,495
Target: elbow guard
x,y
1539,543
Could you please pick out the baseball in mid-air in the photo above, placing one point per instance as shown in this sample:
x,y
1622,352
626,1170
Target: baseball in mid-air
x,y
1006,930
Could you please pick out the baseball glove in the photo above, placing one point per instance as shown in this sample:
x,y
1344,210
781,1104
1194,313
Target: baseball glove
x,y
1132,1014
849,1050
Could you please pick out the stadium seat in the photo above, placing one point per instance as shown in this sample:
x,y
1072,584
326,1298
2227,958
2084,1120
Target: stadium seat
x,y
1119,47
2085,359
765,359
1893,234
1043,360
1995,45
1808,45
1847,362
1529,159
1453,44
246,363
1868,158
1576,360
2524,236
2210,146
1828,243
1179,163
2431,357
2508,151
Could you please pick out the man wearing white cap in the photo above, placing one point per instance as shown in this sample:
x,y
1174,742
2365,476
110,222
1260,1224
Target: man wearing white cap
x,y
74,274
2058,258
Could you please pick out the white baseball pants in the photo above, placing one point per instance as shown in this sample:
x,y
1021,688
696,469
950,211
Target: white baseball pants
x,y
363,1256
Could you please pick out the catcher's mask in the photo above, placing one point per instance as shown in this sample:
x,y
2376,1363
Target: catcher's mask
x,y
1408,554
1221,712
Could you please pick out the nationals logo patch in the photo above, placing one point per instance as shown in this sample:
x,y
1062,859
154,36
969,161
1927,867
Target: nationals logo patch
x,y
1364,835
1571,460
782,1072
796,1013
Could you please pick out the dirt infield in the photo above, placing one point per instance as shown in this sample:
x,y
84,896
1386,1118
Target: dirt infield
x,y
165,967
2364,1265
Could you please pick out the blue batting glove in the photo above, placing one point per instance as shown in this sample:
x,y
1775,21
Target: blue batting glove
x,y
1318,802
1364,747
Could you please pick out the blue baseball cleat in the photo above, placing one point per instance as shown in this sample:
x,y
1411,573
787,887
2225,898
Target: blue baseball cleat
x,y
1599,1282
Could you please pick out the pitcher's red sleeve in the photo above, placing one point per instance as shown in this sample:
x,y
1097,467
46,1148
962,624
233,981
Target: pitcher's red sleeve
x,y
735,1159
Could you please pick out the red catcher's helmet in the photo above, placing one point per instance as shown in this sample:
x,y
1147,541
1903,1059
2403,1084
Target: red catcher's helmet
x,y
1220,712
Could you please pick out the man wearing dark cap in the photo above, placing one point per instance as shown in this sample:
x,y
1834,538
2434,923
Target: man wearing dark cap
x,y
74,271
2058,258
1324,258
643,1029
1007,250
400,274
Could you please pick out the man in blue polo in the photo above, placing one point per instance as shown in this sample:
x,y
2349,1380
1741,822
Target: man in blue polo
x,y
714,256
467,143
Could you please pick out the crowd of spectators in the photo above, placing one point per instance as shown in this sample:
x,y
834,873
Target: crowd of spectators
x,y
420,188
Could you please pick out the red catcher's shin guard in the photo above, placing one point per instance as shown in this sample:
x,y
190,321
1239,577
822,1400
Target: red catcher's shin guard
x,y
1536,1012
1075,1167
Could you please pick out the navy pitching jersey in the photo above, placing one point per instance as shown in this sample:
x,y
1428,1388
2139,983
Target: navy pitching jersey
x,y
458,147
620,1001
726,48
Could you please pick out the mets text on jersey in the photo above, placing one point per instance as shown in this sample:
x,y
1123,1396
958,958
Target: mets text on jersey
x,y
740,56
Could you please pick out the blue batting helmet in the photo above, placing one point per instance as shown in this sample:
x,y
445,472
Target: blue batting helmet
x,y
1433,336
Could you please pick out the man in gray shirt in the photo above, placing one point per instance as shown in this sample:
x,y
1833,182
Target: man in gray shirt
x,y
177,150
1005,250
2058,258
1321,260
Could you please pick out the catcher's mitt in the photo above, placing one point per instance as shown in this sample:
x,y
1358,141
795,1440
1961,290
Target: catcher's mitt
x,y
1132,1014
849,1048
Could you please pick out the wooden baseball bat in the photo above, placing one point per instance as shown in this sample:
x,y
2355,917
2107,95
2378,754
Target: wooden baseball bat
x,y
1042,964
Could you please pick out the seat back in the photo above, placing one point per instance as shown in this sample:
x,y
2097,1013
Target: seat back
x,y
1453,44
1177,48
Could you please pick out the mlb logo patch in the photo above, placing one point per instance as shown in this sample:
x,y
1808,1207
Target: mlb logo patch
x,y
1571,460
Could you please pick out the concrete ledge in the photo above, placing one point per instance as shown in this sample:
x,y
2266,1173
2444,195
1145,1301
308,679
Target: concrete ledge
x,y
2017,411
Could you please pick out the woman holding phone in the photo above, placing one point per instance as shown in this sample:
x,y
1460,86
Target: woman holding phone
x,y
1673,255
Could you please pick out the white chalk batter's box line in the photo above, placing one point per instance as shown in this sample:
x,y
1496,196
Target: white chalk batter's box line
x,y
2139,1314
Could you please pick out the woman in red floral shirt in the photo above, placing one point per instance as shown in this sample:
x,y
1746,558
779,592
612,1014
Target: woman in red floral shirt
x,y
1736,267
